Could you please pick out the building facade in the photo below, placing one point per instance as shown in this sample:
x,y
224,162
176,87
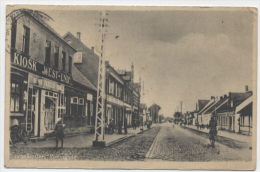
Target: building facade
x,y
122,95
44,85
41,66
232,111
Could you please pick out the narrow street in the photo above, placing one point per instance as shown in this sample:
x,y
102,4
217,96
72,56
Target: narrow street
x,y
177,144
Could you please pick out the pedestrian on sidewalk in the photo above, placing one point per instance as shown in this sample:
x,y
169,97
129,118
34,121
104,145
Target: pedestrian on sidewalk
x,y
212,131
59,133
120,125
111,126
125,125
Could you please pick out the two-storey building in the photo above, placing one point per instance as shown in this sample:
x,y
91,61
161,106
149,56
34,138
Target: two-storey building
x,y
42,74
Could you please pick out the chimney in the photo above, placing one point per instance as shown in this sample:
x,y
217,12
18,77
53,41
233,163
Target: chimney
x,y
132,70
78,35
246,88
93,49
225,96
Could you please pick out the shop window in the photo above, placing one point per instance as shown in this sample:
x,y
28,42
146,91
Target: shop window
x,y
15,97
48,53
26,40
63,60
61,106
56,57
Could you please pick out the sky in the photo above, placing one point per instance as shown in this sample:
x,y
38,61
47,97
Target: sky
x,y
181,55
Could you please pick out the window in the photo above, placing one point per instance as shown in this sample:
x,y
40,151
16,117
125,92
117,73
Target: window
x,y
70,64
26,40
81,101
48,53
15,97
61,106
63,60
56,57
74,100
111,87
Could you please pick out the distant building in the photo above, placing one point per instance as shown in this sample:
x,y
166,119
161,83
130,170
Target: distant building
x,y
122,94
154,112
233,118
199,106
232,111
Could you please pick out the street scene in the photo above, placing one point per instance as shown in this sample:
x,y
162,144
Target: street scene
x,y
131,85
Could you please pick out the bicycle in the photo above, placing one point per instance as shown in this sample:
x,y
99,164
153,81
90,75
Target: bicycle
x,y
18,133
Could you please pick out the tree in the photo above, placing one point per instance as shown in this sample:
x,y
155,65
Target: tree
x,y
177,117
39,15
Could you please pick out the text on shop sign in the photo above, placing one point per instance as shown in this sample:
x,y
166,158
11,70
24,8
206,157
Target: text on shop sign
x,y
38,68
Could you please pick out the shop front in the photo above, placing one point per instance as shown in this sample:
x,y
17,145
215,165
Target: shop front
x,y
80,108
37,95
46,105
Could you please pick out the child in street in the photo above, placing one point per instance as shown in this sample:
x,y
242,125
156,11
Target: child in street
x,y
59,133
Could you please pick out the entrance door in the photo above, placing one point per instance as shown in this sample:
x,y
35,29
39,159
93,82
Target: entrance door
x,y
49,118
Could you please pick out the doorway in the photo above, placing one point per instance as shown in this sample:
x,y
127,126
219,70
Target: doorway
x,y
49,118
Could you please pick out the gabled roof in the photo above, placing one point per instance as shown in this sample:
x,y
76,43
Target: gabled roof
x,y
217,105
244,104
80,78
201,104
90,60
234,100
238,98
207,106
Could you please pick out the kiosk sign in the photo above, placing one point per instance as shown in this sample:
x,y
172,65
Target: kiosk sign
x,y
35,67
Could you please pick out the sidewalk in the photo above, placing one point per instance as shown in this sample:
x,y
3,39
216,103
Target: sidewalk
x,y
238,140
81,140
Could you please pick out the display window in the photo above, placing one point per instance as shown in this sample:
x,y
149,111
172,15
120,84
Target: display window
x,y
16,96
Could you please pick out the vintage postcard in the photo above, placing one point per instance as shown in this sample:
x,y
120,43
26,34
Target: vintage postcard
x,y
130,87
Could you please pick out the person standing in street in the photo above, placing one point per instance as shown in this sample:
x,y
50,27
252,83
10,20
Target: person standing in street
x,y
212,131
59,133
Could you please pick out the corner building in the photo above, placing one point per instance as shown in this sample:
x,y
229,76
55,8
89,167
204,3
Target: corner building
x,y
41,68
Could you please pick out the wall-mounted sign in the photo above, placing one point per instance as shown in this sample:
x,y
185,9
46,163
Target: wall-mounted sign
x,y
45,83
38,68
89,97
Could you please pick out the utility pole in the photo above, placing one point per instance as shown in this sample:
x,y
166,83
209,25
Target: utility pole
x,y
181,107
99,139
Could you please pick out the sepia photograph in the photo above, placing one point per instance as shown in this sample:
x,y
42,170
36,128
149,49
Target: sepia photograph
x,y
130,87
